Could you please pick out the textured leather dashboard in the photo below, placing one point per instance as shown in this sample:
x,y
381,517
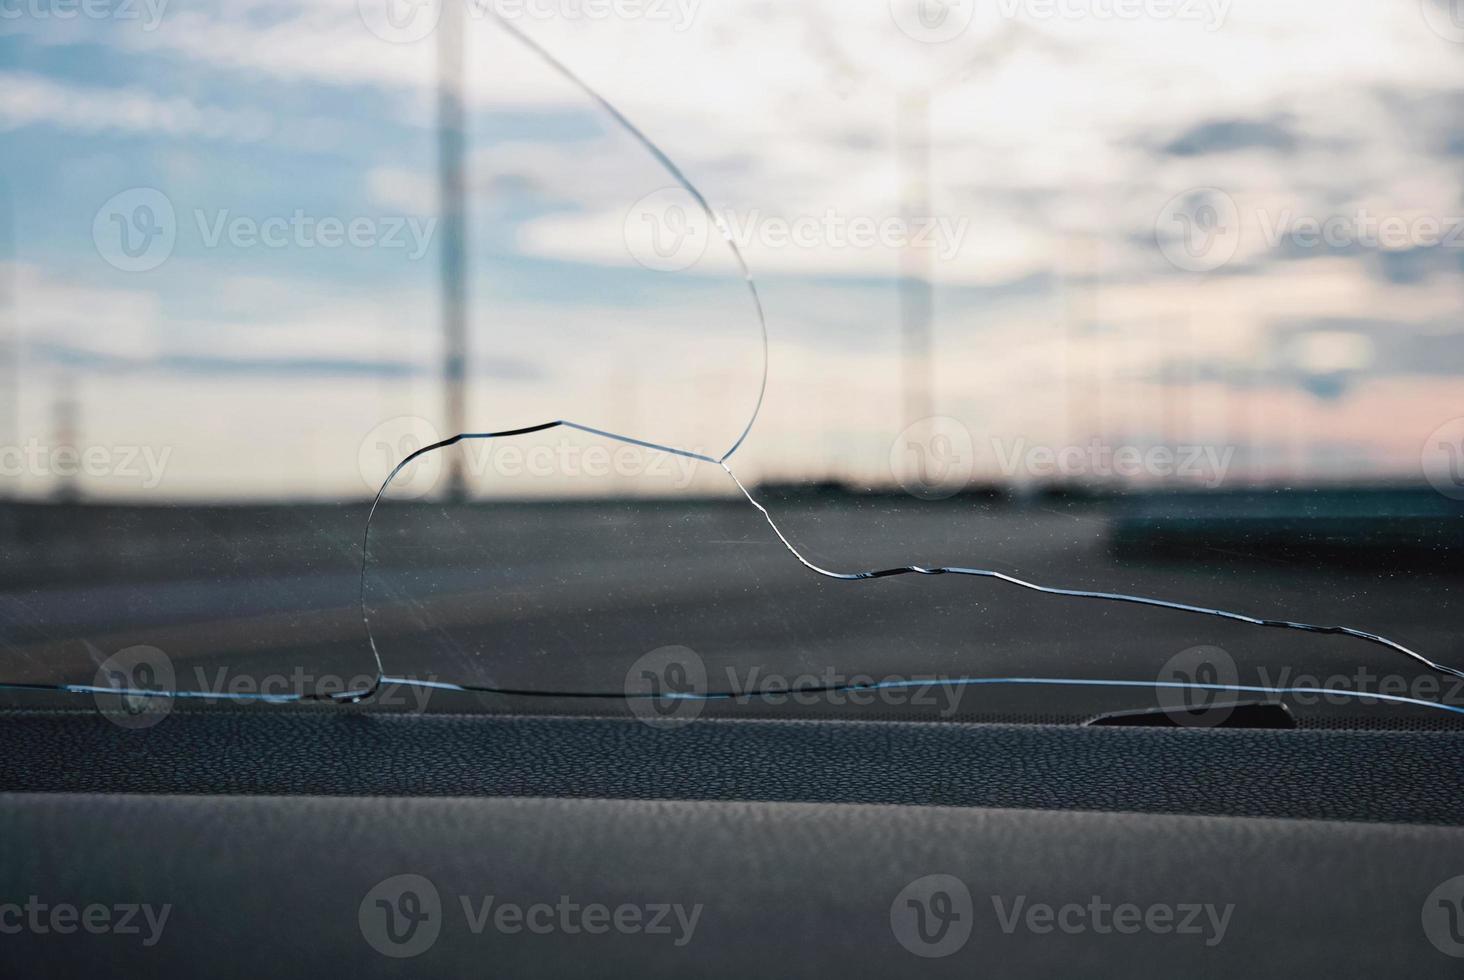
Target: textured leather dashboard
x,y
301,886
1402,777
349,842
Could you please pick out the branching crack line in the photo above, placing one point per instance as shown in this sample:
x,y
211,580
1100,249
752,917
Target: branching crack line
x,y
382,678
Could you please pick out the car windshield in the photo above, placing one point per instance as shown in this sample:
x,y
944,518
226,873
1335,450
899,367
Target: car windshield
x,y
1028,360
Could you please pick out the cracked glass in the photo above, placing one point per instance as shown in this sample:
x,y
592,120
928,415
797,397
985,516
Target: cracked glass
x,y
942,364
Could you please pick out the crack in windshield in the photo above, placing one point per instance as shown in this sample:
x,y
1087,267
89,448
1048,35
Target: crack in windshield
x,y
855,576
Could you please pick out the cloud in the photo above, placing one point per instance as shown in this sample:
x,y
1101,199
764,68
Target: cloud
x,y
57,309
402,191
29,99
1230,135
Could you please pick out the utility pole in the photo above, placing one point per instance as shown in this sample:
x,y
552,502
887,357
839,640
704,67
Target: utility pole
x,y
65,424
9,330
1084,345
452,202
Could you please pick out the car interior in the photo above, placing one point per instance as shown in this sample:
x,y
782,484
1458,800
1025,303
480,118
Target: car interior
x,y
641,488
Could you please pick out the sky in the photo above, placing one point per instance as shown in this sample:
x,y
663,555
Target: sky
x,y
1193,224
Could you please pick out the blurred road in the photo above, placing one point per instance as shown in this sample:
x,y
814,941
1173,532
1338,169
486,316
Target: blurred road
x,y
567,596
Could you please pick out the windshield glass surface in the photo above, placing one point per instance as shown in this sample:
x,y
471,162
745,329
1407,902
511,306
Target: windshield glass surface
x,y
1002,361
